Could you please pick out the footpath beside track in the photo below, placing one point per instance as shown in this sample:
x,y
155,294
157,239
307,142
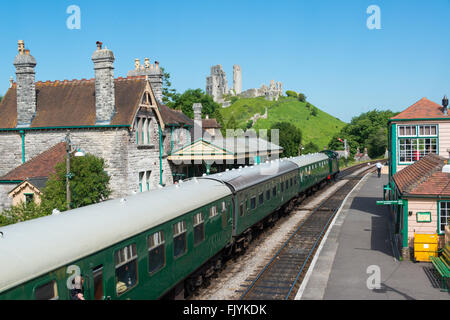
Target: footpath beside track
x,y
283,274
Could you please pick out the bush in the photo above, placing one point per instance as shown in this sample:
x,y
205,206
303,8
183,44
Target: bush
x,y
292,94
310,148
301,97
21,212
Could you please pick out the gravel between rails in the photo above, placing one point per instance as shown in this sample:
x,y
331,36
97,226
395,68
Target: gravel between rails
x,y
236,272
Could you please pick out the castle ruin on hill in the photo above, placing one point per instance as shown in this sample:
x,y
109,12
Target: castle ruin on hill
x,y
217,86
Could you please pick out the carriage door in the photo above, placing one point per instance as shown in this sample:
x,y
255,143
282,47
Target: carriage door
x,y
97,291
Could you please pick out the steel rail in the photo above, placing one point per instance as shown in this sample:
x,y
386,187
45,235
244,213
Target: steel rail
x,y
310,234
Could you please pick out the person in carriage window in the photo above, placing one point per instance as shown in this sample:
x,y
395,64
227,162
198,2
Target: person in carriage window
x,y
76,293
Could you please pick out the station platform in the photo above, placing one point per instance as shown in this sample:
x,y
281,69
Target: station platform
x,y
359,245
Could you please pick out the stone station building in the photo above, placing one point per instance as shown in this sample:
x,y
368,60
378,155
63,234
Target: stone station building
x,y
121,120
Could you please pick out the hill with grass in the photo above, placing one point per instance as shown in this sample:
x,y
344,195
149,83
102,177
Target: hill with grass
x,y
316,125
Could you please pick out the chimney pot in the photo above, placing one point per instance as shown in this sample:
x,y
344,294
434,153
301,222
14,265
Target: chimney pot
x,y
21,47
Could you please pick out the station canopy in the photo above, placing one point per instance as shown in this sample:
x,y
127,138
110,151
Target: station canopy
x,y
234,148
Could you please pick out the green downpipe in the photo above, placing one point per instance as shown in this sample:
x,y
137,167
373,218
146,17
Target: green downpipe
x,y
171,140
22,133
405,223
393,155
160,156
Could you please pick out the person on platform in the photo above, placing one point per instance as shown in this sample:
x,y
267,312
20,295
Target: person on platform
x,y
379,166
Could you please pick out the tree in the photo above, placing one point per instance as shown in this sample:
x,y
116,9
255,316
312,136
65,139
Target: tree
x,y
169,94
290,138
89,185
314,111
1,98
363,131
185,102
310,147
377,143
21,212
301,97
291,93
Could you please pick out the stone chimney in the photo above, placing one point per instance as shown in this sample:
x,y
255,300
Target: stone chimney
x,y
156,79
197,111
105,105
198,126
26,90
153,72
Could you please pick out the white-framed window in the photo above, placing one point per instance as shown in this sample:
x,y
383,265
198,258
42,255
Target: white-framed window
x,y
199,228
213,211
224,206
156,251
141,181
407,131
428,130
126,268
179,239
444,215
414,149
147,177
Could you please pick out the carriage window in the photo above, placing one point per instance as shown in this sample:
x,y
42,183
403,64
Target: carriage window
x,y
261,198
282,186
224,206
156,251
274,191
253,203
179,238
268,195
213,211
287,184
97,273
290,181
126,268
48,291
199,229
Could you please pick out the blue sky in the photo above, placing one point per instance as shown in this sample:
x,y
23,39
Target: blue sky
x,y
321,48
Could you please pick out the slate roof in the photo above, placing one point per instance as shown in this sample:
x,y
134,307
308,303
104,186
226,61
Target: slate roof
x,y
210,123
171,116
422,109
425,177
43,165
72,103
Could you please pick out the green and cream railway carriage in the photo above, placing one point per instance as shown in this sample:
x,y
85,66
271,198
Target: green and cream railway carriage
x,y
156,244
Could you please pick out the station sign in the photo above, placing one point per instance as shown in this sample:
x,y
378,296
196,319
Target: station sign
x,y
391,202
423,216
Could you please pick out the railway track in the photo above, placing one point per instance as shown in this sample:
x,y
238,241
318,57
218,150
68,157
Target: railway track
x,y
283,274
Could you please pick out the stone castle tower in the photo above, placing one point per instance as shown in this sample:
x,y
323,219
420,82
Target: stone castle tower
x,y
216,83
237,79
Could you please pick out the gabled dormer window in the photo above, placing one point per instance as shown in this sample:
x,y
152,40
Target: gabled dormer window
x,y
143,126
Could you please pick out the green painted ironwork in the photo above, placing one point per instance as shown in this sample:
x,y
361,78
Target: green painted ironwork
x,y
22,133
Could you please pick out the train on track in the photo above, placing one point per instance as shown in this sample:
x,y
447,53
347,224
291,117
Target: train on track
x,y
158,244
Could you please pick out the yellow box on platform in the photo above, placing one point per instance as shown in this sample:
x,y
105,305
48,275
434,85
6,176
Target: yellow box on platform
x,y
425,245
